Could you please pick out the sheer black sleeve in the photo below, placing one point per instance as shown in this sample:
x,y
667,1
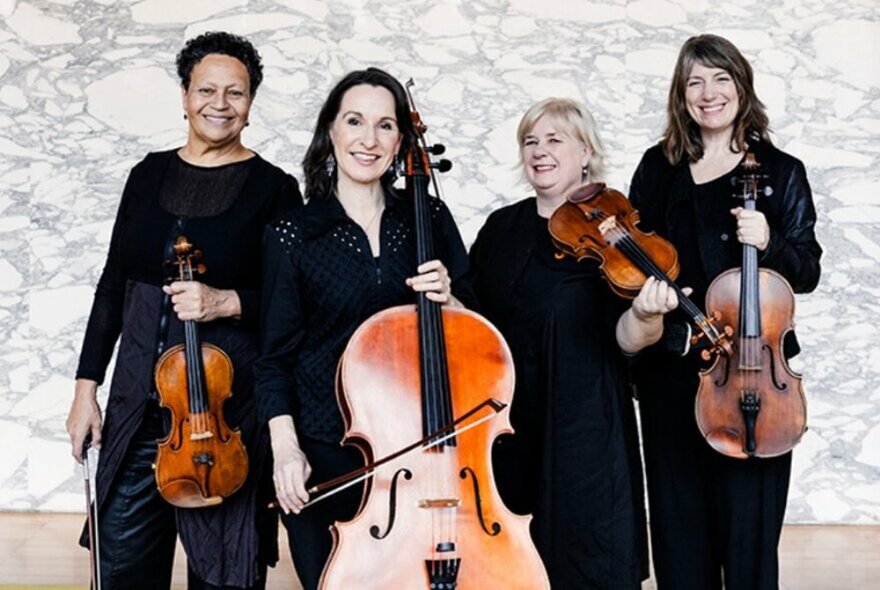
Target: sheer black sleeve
x,y
105,319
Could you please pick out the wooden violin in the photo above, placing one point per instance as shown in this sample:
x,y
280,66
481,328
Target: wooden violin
x,y
201,460
600,223
431,517
752,404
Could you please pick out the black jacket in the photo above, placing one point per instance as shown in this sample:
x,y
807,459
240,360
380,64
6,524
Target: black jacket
x,y
664,196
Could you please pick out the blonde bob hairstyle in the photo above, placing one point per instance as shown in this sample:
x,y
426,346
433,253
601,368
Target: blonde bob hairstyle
x,y
574,120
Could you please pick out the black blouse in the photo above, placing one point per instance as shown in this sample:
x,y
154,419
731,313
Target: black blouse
x,y
321,282
229,238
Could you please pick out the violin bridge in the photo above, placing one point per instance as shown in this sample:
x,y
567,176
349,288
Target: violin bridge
x,y
440,503
201,435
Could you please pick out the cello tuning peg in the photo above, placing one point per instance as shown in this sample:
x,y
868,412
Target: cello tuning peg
x,y
437,149
442,165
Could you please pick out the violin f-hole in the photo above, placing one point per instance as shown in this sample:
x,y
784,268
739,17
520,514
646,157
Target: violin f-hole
x,y
776,382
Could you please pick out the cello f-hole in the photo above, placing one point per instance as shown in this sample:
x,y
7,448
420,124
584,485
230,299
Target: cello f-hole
x,y
392,505
496,528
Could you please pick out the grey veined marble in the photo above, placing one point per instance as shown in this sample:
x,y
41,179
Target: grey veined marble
x,y
87,87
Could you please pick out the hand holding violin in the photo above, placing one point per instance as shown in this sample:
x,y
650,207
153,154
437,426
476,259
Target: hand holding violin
x,y
752,228
642,324
197,301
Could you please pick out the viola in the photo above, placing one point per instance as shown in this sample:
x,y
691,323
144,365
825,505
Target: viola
x,y
752,404
431,517
201,461
599,223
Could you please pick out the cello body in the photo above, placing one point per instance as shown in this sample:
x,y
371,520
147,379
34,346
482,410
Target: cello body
x,y
434,496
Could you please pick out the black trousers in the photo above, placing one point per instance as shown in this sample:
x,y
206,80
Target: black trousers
x,y
138,530
308,532
713,518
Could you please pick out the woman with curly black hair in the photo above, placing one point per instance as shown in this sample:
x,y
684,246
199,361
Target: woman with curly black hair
x,y
220,195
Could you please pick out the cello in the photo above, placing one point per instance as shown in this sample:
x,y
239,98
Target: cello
x,y
752,405
431,517
201,460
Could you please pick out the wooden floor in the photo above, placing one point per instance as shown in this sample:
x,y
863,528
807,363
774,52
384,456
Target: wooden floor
x,y
40,549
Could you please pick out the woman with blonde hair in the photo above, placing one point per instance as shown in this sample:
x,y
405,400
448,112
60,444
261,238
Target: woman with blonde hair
x,y
573,461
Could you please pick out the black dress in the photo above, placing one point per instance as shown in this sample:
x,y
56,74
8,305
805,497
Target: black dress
x,y
710,512
229,544
574,459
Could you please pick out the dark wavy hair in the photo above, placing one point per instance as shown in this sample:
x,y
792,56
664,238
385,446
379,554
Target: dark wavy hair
x,y
224,44
682,134
319,183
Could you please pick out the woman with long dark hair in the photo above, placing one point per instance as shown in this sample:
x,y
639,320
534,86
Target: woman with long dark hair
x,y
713,518
349,253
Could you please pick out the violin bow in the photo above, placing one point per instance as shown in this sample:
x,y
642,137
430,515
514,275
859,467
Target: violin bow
x,y
91,520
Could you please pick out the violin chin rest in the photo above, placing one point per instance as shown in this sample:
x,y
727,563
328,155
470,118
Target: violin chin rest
x,y
184,493
727,442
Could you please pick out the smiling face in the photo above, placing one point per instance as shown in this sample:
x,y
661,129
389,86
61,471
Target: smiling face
x,y
365,134
552,158
218,101
711,98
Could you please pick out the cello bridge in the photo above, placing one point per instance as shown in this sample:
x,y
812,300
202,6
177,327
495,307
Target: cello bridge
x,y
440,503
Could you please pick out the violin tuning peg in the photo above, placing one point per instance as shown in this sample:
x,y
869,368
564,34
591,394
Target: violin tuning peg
x,y
201,269
197,254
768,191
706,355
728,330
437,149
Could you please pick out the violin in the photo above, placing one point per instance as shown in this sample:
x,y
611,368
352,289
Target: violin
x,y
600,223
431,517
752,404
201,460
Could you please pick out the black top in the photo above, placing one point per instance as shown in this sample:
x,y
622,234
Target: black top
x,y
321,282
144,225
225,543
573,461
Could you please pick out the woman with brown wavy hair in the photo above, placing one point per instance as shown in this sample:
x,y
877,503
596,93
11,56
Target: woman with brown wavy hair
x,y
712,517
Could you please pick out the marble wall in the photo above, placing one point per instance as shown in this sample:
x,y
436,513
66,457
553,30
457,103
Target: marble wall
x,y
87,87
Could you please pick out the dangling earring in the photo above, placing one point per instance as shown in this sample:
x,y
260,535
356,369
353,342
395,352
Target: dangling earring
x,y
330,165
394,170
585,173
185,117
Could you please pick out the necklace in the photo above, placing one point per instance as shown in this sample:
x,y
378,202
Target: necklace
x,y
373,218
